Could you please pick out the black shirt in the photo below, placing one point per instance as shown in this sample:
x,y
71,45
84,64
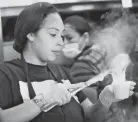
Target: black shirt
x,y
13,71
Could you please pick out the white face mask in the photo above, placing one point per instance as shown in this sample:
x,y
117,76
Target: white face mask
x,y
71,50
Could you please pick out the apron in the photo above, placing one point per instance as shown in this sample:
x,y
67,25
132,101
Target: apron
x,y
71,112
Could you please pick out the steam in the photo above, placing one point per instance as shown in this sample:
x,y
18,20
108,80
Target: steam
x,y
118,34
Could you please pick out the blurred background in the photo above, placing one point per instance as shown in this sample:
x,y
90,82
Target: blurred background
x,y
90,9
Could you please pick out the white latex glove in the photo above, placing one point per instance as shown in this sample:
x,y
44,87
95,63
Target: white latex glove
x,y
116,92
53,92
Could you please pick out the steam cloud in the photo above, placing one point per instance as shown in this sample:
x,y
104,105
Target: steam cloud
x,y
118,33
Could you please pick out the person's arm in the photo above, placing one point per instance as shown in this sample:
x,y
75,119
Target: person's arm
x,y
82,71
21,113
91,110
96,55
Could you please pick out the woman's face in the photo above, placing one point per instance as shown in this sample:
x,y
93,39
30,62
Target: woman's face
x,y
48,40
70,35
74,42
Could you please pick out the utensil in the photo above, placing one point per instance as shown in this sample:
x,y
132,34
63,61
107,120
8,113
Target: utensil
x,y
93,80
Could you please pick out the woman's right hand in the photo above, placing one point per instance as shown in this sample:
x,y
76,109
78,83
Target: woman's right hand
x,y
58,93
52,91
116,92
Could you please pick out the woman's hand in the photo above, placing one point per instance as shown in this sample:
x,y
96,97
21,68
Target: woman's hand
x,y
116,92
57,93
53,92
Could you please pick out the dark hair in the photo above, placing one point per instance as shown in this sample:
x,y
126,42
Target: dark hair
x,y
79,23
29,20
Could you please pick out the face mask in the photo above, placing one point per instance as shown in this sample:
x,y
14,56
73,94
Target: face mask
x,y
71,50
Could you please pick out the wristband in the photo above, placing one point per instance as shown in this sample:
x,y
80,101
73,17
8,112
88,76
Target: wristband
x,y
42,104
39,101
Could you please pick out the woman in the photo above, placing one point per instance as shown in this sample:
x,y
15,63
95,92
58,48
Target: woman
x,y
38,37
75,27
77,32
89,61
